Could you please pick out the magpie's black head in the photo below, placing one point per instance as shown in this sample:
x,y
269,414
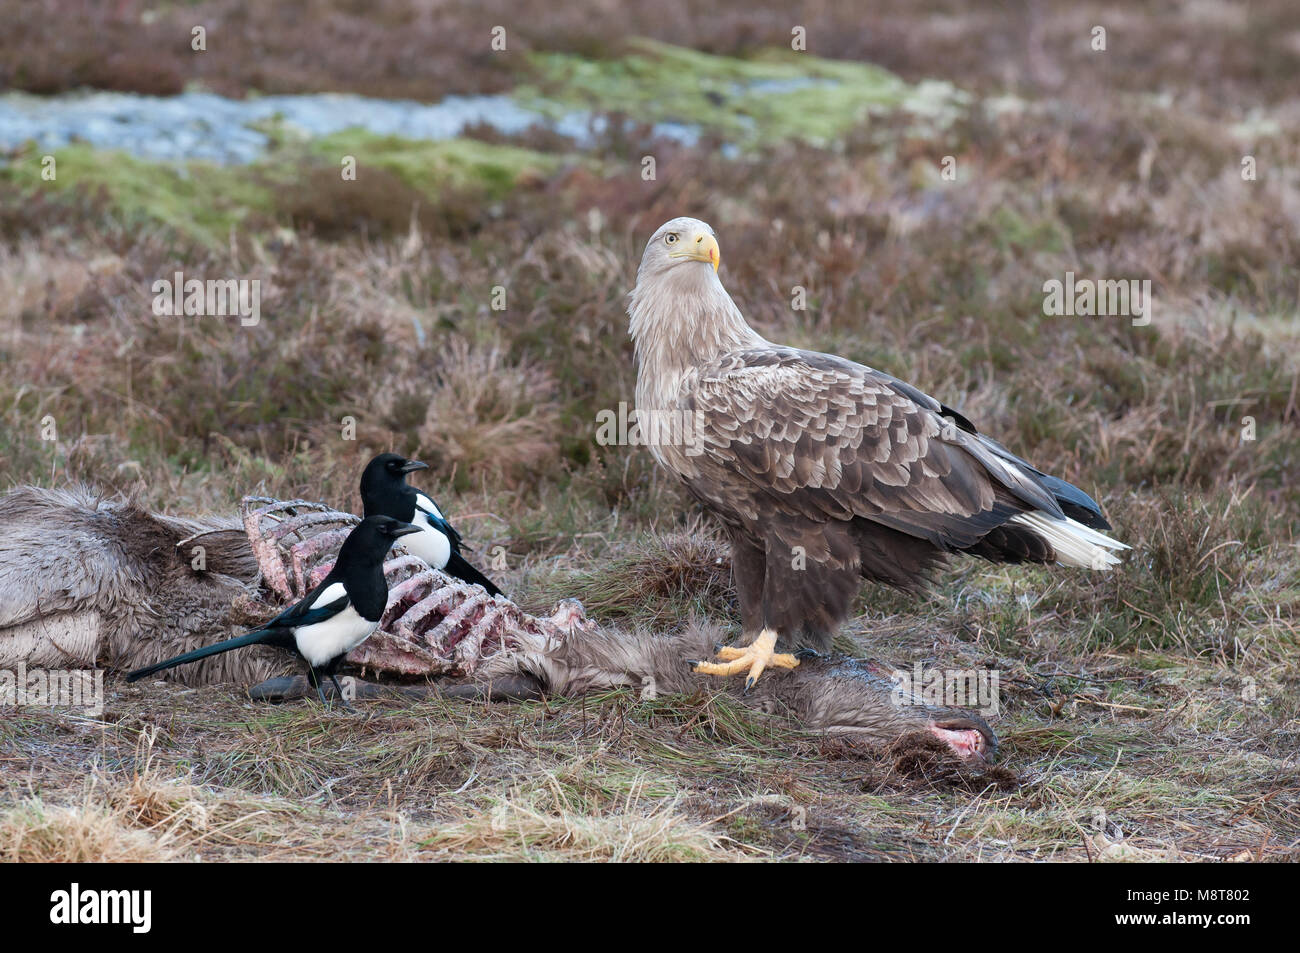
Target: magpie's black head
x,y
382,482
371,539
389,528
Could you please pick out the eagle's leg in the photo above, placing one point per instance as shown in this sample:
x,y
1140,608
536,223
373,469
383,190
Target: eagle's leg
x,y
749,565
753,658
798,593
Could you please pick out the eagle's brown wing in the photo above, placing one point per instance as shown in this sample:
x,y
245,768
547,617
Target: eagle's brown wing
x,y
833,440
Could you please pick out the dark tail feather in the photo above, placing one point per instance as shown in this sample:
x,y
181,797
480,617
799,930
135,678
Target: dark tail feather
x,y
456,566
252,638
1075,503
1010,543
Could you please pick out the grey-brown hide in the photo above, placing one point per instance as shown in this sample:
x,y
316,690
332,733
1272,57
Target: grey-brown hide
x,y
838,695
89,581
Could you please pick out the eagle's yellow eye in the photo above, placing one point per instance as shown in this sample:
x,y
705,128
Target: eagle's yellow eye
x,y
671,238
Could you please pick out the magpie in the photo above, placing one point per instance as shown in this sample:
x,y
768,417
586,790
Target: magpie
x,y
332,619
384,491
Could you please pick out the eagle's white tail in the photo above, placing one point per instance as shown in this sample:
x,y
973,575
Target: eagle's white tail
x,y
1075,544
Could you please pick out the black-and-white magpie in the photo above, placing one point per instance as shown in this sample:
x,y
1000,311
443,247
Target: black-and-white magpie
x,y
332,619
384,491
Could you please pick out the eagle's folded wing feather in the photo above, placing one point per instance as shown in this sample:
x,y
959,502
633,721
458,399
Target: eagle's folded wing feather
x,y
837,440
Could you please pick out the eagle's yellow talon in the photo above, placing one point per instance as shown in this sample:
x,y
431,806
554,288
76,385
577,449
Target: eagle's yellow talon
x,y
752,659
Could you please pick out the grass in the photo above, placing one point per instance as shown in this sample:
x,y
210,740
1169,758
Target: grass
x,y
297,184
762,99
1145,713
143,192
436,167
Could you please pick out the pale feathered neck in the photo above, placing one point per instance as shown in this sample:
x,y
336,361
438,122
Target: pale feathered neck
x,y
681,318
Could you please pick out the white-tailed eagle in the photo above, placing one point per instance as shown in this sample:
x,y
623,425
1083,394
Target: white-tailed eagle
x,y
821,470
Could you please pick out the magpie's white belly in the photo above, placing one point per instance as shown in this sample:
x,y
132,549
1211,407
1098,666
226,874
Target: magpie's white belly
x,y
336,636
430,544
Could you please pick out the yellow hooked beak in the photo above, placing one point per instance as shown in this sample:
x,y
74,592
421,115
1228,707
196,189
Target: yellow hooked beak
x,y
702,247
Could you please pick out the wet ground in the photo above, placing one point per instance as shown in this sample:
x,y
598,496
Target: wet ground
x,y
199,125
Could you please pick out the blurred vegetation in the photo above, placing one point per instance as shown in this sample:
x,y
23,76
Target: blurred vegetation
x,y
763,98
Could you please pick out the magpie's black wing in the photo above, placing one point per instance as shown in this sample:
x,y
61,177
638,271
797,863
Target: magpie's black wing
x,y
324,602
425,505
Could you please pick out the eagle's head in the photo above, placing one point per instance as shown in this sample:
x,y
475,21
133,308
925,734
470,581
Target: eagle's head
x,y
680,247
681,315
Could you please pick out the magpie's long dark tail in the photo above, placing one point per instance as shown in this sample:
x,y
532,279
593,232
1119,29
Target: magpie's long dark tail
x,y
252,638
456,566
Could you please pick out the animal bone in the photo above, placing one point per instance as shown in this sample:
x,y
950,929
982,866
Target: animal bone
x,y
434,625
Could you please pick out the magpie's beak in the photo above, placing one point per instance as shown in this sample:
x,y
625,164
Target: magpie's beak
x,y
412,465
406,529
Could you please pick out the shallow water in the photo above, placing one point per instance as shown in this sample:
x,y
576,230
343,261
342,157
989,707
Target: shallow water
x,y
198,125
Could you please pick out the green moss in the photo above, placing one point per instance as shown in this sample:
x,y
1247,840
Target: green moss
x,y
772,95
199,199
432,167
203,200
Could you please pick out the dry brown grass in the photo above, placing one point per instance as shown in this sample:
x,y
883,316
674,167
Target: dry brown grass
x,y
1100,748
544,823
653,581
31,832
486,418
